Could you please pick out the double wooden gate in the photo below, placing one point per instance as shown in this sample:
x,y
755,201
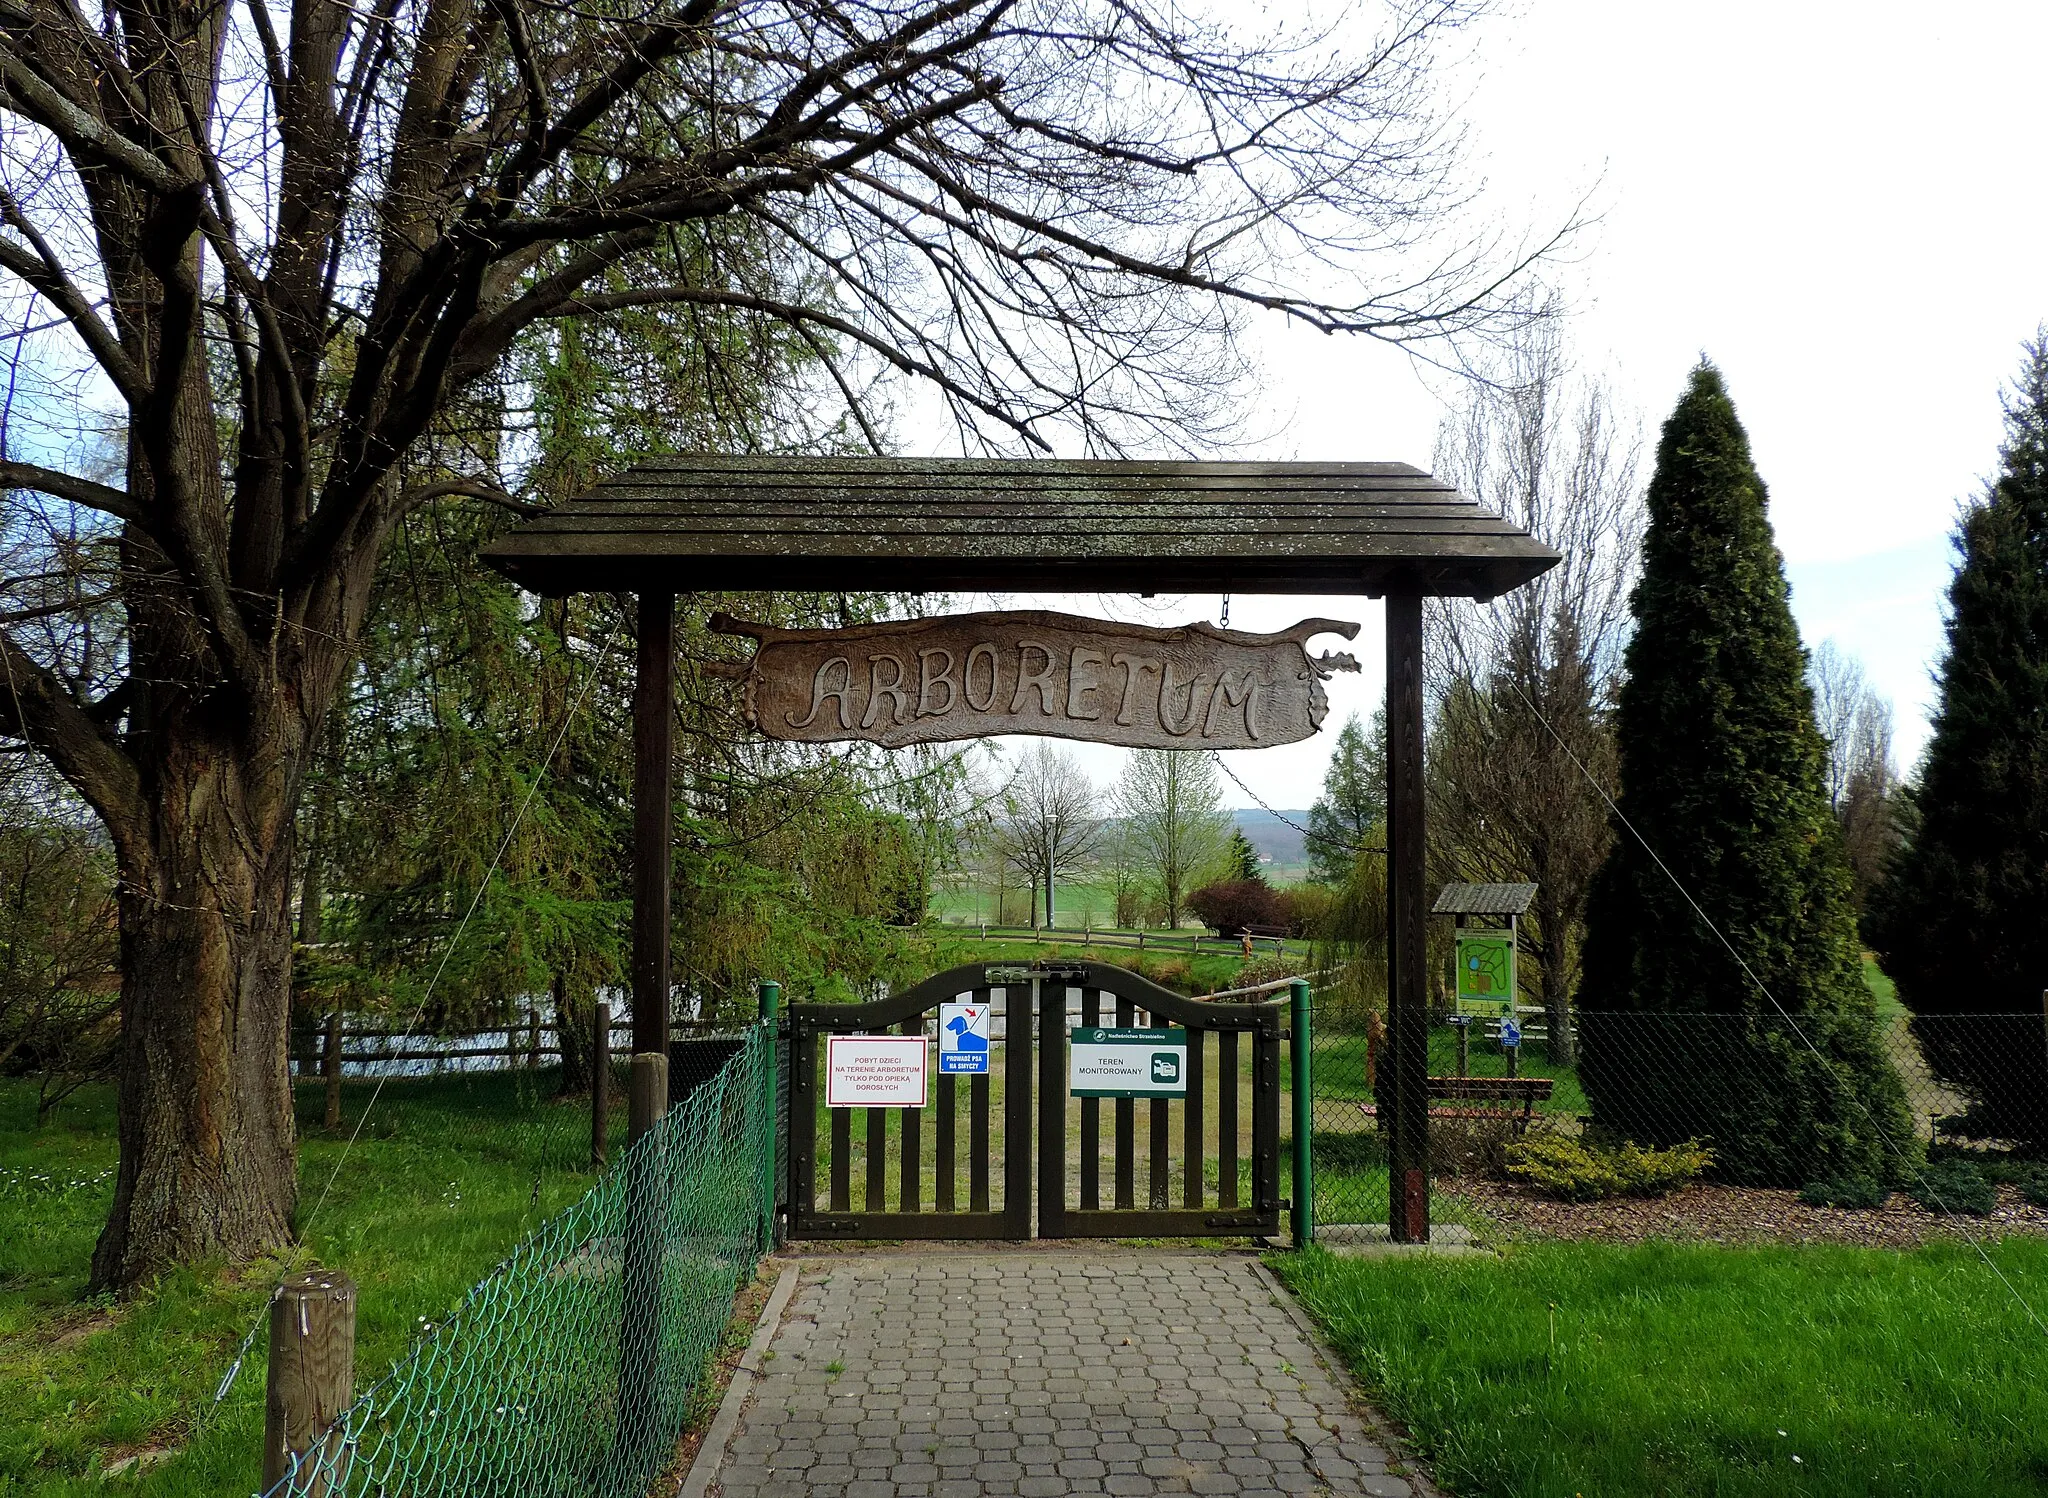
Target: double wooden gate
x,y
1217,1149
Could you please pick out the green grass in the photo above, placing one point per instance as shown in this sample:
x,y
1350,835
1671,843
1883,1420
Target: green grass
x,y
1689,1369
447,1178
1203,972
1882,989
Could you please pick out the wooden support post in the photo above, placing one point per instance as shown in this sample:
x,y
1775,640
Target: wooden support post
x,y
771,1126
330,1071
310,1380
600,1082
533,1038
647,1204
1407,1059
647,1103
653,816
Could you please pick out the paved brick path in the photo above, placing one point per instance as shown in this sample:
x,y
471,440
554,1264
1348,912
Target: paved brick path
x,y
961,1374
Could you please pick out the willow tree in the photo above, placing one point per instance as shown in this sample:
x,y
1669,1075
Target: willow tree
x,y
287,241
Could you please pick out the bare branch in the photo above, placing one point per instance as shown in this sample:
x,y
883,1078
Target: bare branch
x,y
78,491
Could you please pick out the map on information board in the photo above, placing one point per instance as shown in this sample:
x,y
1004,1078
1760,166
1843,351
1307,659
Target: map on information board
x,y
1486,974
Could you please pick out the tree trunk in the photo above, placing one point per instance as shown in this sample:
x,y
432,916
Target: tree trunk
x,y
1555,968
207,1137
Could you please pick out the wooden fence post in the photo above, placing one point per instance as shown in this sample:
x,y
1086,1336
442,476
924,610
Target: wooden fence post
x,y
311,1377
647,1102
330,1071
533,1038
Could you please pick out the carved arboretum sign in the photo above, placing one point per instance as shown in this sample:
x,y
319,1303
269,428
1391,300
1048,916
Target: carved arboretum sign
x,y
969,676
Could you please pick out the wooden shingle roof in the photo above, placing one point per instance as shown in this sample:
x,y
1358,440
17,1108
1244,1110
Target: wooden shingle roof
x,y
1484,899
941,525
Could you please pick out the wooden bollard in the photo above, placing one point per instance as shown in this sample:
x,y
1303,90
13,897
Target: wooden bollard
x,y
600,1082
330,1071
311,1377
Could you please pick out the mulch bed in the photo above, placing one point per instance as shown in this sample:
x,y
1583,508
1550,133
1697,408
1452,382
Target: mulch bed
x,y
1740,1214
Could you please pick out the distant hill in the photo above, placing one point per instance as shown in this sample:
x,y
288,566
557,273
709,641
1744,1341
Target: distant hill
x,y
1272,837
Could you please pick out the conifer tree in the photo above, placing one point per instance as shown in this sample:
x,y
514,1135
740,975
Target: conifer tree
x,y
1960,920
1722,773
1346,817
1243,858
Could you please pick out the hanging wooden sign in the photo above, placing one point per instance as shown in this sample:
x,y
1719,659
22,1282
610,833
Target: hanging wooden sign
x,y
970,676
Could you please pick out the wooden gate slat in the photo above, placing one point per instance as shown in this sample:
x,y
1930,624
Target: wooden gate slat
x,y
977,1142
842,1159
909,1193
1052,1118
1226,1119
944,1154
876,1199
1191,1124
1266,1119
1126,1126
1161,1141
1091,1119
1017,1109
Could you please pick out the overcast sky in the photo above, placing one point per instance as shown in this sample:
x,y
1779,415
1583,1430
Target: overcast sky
x,y
1841,205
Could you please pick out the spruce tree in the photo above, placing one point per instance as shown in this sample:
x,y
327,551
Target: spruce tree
x,y
1243,859
1722,772
1346,817
1960,920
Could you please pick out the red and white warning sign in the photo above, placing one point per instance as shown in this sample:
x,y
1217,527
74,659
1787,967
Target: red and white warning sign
x,y
875,1071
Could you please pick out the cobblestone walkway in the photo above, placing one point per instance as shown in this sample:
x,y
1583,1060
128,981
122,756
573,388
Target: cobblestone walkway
x,y
958,1375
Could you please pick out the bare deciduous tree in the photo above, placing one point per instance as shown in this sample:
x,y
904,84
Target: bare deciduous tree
x,y
1861,778
1049,825
288,241
1522,747
1171,805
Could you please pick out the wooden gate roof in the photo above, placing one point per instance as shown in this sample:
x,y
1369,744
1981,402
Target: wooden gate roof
x,y
692,524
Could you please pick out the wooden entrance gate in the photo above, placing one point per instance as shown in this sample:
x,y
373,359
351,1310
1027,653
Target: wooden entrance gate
x,y
1211,1158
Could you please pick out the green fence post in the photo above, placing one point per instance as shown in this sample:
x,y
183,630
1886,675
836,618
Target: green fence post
x,y
771,1003
1304,1226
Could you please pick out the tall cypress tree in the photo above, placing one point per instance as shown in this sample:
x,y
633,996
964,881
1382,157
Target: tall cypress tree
x,y
1960,920
1722,774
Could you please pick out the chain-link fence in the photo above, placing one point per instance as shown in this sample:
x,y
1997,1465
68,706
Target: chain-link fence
x,y
1783,1107
570,1369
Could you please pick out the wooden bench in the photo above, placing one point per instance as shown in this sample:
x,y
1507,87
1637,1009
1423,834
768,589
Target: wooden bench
x,y
1528,1091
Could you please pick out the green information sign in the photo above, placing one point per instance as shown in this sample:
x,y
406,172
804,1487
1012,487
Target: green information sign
x,y
1486,974
1103,1062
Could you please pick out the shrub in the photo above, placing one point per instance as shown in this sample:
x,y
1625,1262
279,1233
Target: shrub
x,y
1171,972
1306,908
1232,904
1579,1170
1953,1185
2035,1189
1844,1191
